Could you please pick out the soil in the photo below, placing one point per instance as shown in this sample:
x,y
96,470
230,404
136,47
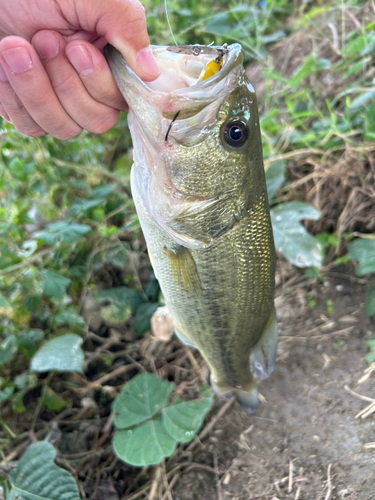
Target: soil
x,y
305,441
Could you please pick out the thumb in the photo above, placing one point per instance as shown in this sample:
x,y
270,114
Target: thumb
x,y
123,24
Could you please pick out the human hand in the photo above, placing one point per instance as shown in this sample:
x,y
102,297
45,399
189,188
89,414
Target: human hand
x,y
53,77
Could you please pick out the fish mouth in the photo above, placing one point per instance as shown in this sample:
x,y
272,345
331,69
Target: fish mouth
x,y
182,86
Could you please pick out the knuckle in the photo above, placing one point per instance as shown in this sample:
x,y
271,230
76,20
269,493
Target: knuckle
x,y
3,113
68,133
10,100
105,122
65,84
30,130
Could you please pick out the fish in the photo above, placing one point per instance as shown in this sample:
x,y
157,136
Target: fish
x,y
199,188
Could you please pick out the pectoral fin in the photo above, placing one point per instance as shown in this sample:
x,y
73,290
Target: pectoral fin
x,y
263,355
183,268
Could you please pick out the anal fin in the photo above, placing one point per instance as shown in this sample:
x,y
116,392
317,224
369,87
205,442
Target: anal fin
x,y
263,355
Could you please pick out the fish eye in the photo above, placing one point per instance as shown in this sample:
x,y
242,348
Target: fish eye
x,y
235,133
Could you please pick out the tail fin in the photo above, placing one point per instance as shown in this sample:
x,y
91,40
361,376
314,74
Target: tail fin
x,y
247,397
249,401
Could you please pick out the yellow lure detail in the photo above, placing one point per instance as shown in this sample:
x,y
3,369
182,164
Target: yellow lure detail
x,y
211,69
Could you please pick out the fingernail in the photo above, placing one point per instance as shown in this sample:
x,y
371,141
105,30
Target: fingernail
x,y
3,76
80,58
146,62
18,60
47,45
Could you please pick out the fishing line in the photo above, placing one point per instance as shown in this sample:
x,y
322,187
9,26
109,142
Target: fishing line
x,y
169,24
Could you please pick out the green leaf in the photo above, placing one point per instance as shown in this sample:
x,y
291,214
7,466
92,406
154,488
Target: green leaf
x,y
354,46
304,70
291,238
27,341
5,307
7,349
143,317
97,196
275,177
6,393
147,444
123,303
363,250
69,316
38,478
115,254
370,343
360,101
60,353
54,285
53,401
370,122
370,357
183,419
62,231
370,300
140,399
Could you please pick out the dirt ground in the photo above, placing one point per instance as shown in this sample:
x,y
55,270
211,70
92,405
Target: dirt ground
x,y
305,441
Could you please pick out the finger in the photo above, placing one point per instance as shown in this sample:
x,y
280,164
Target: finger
x,y
31,85
95,74
3,113
13,111
123,24
75,99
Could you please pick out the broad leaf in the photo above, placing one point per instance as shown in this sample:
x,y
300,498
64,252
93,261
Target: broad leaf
x,y
363,250
38,478
370,300
62,231
53,401
275,177
182,419
147,444
6,394
27,341
69,316
60,353
7,348
97,196
5,307
114,253
54,285
140,399
143,317
123,303
291,238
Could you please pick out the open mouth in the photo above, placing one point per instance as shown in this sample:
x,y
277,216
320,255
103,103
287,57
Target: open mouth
x,y
186,65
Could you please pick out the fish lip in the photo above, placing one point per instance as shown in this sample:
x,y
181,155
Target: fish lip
x,y
126,76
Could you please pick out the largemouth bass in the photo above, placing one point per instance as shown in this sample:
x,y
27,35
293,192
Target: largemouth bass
x,y
199,188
